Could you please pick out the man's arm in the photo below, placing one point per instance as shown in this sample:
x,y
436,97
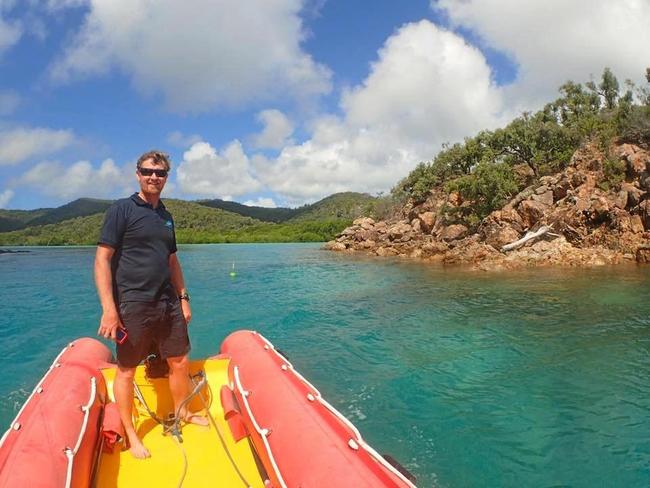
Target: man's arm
x,y
178,282
110,320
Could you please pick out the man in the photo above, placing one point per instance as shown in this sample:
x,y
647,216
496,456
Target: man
x,y
141,288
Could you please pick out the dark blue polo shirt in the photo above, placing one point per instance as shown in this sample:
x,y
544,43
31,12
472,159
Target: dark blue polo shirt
x,y
143,238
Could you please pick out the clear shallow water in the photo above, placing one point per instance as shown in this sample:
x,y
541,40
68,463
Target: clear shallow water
x,y
534,378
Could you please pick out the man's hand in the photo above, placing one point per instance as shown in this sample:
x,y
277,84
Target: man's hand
x,y
108,325
187,311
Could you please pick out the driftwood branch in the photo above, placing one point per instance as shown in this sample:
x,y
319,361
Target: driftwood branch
x,y
528,237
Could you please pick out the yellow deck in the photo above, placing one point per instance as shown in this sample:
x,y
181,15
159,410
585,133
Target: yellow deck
x,y
208,463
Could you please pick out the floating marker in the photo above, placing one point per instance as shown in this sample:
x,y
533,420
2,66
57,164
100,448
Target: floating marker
x,y
232,273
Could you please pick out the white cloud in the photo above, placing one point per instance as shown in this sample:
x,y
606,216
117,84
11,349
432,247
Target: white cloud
x,y
177,138
10,33
80,179
198,54
427,87
553,40
276,131
5,197
9,102
208,173
17,145
261,202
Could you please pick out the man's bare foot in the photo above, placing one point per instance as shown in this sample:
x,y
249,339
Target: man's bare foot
x,y
137,449
194,418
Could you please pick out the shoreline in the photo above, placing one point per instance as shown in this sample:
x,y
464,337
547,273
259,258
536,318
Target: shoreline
x,y
584,258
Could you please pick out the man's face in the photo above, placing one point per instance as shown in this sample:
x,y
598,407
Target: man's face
x,y
150,182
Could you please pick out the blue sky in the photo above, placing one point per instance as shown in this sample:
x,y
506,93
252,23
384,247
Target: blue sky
x,y
279,103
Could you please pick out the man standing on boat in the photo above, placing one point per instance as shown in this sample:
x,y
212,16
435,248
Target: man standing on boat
x,y
141,288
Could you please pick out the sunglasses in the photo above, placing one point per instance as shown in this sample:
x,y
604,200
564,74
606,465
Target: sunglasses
x,y
160,173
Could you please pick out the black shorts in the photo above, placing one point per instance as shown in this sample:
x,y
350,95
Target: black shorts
x,y
152,323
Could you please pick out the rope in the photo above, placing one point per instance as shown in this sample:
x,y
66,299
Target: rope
x,y
221,439
176,436
174,428
185,463
143,402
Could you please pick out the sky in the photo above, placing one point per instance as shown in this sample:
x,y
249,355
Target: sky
x,y
280,103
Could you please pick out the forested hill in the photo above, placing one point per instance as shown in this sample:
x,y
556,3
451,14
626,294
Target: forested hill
x,y
346,205
20,219
264,214
78,222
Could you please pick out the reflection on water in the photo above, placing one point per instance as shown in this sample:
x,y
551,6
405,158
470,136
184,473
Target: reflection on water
x,y
533,378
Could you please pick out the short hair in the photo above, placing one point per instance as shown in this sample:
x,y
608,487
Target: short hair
x,y
158,157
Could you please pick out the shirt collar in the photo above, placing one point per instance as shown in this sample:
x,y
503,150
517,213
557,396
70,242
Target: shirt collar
x,y
139,201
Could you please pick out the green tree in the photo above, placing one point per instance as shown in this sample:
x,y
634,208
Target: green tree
x,y
489,187
607,89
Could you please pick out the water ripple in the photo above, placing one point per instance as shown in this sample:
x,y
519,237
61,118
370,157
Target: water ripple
x,y
530,378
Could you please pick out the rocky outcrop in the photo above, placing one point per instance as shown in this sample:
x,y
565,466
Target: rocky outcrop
x,y
591,223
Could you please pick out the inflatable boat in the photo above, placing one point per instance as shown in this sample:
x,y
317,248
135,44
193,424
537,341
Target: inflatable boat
x,y
268,427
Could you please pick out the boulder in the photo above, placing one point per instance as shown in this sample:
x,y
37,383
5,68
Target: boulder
x,y
624,222
501,227
385,251
576,179
399,230
427,221
531,211
634,194
599,208
511,217
366,235
643,254
417,226
621,199
561,188
545,197
335,246
364,222
637,160
453,232
644,181
381,226
500,235
435,247
524,174
636,224
644,207
454,199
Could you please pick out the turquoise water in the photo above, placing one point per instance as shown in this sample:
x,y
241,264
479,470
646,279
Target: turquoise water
x,y
534,378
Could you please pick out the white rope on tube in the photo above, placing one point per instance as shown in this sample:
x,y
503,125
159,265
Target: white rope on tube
x,y
262,432
70,453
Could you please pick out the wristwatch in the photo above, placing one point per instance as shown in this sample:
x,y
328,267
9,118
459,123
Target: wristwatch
x,y
184,296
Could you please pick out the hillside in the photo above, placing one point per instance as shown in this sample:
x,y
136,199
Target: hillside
x,y
81,207
21,219
263,214
190,218
17,219
78,222
568,185
346,206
